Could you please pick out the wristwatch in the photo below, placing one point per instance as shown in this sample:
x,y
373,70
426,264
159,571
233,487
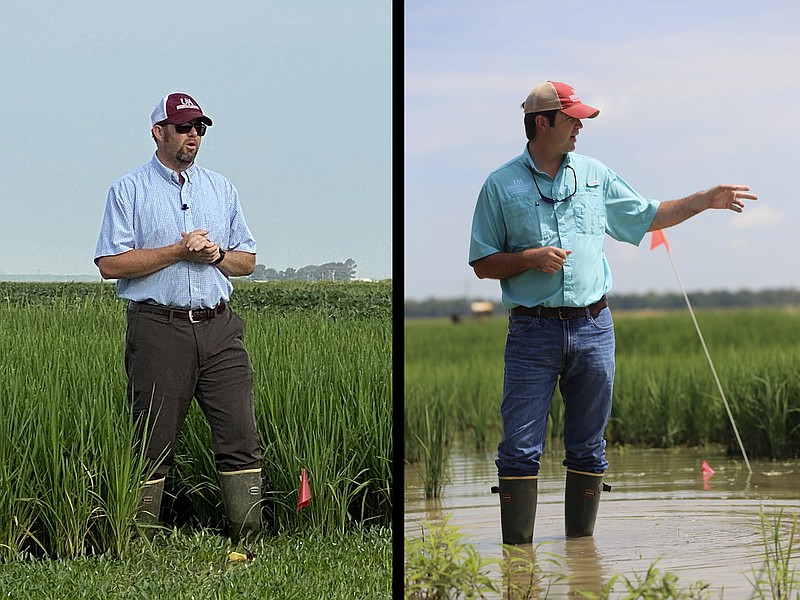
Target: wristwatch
x,y
220,259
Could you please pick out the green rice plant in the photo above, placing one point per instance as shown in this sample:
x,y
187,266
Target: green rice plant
x,y
121,474
771,412
427,426
18,501
664,392
324,404
86,502
412,407
449,389
70,478
652,402
777,577
433,439
61,480
485,426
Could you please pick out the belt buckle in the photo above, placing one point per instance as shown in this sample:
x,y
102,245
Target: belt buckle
x,y
191,317
561,316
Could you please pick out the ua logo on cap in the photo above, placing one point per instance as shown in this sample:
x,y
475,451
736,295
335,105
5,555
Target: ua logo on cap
x,y
185,103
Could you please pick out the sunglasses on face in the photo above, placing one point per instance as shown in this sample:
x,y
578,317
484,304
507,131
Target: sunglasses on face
x,y
187,127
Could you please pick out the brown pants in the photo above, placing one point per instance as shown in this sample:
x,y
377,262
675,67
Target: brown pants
x,y
169,361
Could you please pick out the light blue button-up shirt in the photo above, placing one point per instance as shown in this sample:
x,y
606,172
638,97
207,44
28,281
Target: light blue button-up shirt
x,y
510,216
144,210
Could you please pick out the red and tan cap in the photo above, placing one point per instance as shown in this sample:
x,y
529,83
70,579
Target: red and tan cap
x,y
554,95
177,108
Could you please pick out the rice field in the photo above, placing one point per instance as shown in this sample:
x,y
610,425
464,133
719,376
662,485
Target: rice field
x,y
69,481
664,393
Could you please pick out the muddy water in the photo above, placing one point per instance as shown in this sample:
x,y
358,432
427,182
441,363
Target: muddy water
x,y
660,507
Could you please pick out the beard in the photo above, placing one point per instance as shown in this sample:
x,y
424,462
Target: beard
x,y
186,156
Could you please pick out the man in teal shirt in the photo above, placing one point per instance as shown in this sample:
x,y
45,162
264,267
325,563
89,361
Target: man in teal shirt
x,y
538,227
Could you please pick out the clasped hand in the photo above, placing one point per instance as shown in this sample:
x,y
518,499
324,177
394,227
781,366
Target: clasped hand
x,y
196,247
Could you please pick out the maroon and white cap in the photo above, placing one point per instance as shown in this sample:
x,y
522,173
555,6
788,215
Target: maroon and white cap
x,y
177,108
554,95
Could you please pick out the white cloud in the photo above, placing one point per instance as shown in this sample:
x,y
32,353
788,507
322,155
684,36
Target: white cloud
x,y
757,217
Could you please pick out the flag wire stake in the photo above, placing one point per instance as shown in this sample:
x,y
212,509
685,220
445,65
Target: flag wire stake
x,y
708,356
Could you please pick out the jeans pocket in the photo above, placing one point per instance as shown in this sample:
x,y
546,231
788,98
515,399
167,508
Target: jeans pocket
x,y
520,325
603,320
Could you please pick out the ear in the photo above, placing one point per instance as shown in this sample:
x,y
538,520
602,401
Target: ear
x,y
158,132
541,122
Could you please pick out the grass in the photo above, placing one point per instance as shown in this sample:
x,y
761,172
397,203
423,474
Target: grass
x,y
188,565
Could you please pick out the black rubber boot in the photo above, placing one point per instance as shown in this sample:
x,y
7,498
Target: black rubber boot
x,y
241,494
147,515
517,508
581,500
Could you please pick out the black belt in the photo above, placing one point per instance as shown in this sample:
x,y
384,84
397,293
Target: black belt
x,y
561,312
194,315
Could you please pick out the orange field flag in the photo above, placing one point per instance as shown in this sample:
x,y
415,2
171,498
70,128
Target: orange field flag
x,y
658,238
304,493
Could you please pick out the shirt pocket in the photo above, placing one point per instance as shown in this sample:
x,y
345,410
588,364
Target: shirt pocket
x,y
589,210
523,226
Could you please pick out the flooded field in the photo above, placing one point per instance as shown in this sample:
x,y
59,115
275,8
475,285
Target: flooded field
x,y
660,507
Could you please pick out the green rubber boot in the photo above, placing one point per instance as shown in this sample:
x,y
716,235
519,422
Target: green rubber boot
x,y
581,501
147,515
241,495
517,508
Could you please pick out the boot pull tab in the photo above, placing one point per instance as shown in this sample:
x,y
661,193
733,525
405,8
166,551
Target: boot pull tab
x,y
606,487
495,489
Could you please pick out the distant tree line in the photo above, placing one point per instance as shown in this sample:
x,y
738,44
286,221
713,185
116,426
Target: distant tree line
x,y
332,271
434,307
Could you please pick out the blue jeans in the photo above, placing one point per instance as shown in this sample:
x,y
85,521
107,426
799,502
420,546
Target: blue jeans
x,y
576,353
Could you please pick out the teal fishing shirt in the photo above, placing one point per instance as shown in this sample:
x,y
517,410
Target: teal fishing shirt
x,y
510,216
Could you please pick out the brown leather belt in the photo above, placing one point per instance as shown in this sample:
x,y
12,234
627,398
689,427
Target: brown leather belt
x,y
561,312
195,315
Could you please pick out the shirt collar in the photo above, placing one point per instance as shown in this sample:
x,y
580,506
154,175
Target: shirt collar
x,y
526,156
171,175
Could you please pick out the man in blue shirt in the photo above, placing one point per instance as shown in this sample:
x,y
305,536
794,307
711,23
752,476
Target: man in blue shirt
x,y
538,227
172,235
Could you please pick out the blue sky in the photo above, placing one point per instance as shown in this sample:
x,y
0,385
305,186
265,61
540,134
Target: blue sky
x,y
691,94
300,95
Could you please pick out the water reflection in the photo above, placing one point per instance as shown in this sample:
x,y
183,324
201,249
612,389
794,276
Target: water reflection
x,y
660,507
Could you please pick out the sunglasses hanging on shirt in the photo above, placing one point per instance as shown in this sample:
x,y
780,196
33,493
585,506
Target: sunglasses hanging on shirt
x,y
552,200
